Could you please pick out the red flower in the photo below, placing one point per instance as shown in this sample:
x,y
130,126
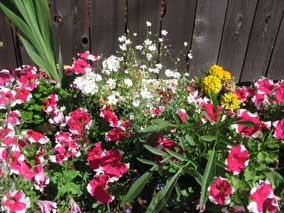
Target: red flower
x,y
36,137
15,201
86,55
250,131
237,159
22,95
263,198
279,129
162,142
115,134
110,116
220,191
279,92
94,156
182,115
98,188
13,118
78,121
210,111
112,165
6,97
5,77
80,66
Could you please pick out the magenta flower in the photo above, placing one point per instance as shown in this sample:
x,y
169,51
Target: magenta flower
x,y
15,201
47,206
220,191
279,129
237,159
74,207
263,198
36,137
182,115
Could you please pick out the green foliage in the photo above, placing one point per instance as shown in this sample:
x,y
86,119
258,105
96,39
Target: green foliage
x,y
32,17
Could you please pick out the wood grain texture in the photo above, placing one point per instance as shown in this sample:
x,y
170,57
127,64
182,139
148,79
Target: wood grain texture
x,y
179,21
276,68
140,11
263,35
207,35
236,33
71,26
7,51
107,24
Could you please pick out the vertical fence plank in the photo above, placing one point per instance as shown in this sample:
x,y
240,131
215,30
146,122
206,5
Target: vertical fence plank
x,y
71,26
179,21
140,11
7,51
263,35
275,70
236,33
207,34
107,24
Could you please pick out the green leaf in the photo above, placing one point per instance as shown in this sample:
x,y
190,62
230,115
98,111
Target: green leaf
x,y
160,199
189,140
147,162
245,123
158,125
73,188
215,102
176,155
155,151
195,174
137,187
207,177
208,138
275,178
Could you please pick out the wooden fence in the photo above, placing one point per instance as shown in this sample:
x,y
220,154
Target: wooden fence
x,y
244,36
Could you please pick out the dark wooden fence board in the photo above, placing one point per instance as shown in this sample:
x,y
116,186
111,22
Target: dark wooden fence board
x,y
236,33
107,24
179,22
276,68
208,28
71,24
266,25
140,11
7,52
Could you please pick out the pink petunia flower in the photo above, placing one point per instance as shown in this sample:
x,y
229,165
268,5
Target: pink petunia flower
x,y
98,188
79,121
15,202
110,116
95,155
47,206
279,129
264,86
182,115
7,98
86,55
115,134
237,159
263,198
36,137
81,66
220,191
5,77
250,131
74,207
279,92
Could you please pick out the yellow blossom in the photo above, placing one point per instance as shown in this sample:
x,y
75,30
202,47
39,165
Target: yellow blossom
x,y
230,101
217,71
227,75
211,84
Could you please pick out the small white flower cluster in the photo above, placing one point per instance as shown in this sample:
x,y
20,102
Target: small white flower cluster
x,y
111,64
172,74
124,41
88,83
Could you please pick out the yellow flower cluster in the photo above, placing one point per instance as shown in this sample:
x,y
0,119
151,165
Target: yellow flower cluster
x,y
211,84
230,101
219,72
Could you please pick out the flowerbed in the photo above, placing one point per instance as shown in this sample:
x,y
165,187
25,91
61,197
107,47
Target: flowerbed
x,y
113,138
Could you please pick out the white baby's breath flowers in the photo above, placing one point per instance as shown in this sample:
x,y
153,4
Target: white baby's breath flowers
x,y
164,32
152,47
189,55
185,44
122,38
114,98
87,83
161,39
148,42
134,34
149,56
128,82
123,47
111,64
139,47
145,93
111,83
148,24
172,74
136,103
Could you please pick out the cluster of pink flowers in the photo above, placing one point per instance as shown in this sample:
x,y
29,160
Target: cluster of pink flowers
x,y
263,198
108,167
55,114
